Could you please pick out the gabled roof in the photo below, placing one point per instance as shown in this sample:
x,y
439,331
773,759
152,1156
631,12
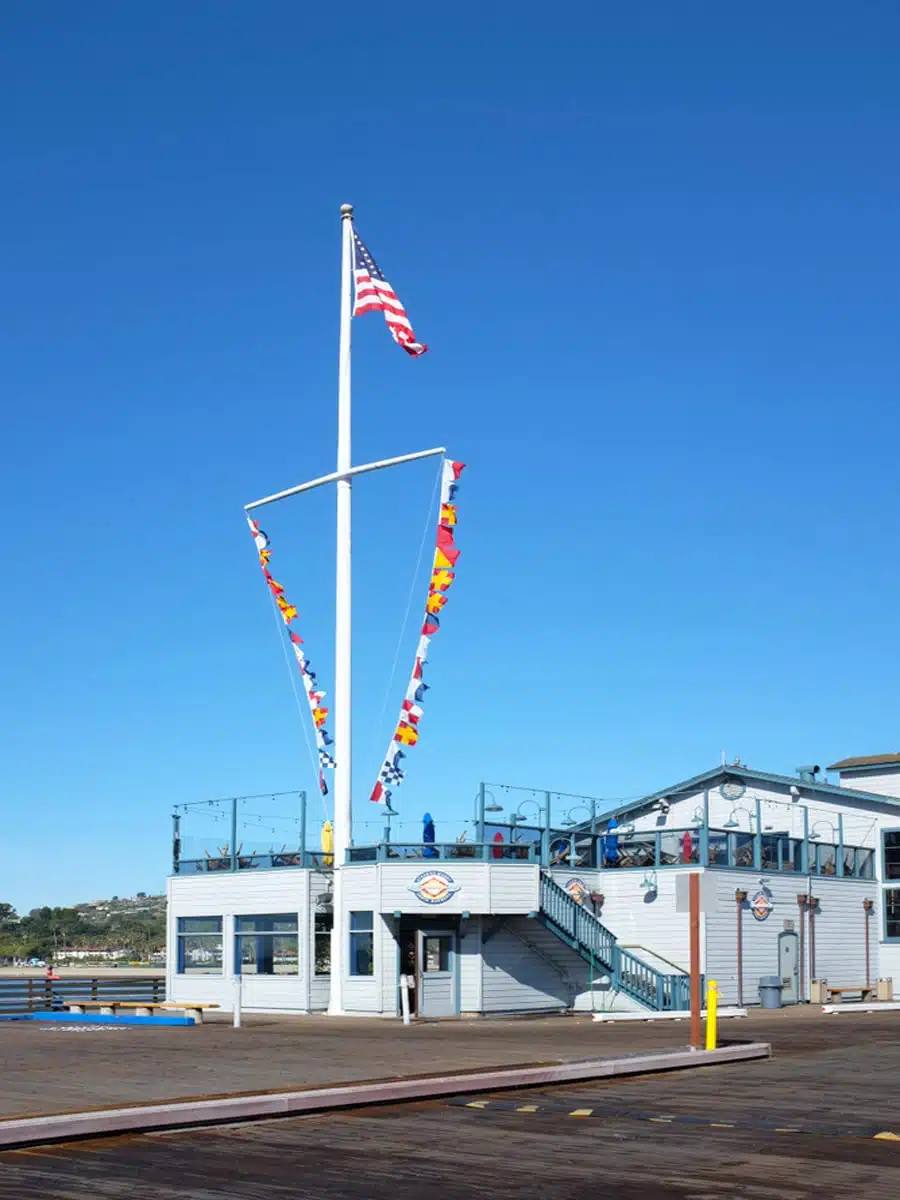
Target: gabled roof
x,y
867,760
747,775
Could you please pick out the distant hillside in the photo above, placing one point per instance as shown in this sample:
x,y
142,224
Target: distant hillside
x,y
123,927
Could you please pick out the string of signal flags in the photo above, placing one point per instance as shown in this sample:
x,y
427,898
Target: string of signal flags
x,y
443,575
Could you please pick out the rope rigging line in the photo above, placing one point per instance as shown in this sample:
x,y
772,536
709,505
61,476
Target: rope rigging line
x,y
292,674
409,601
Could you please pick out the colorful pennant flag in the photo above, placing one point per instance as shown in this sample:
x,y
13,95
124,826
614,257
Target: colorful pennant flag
x,y
443,575
314,695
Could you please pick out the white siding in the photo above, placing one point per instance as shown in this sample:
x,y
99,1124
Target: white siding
x,y
228,895
479,887
363,994
884,780
760,938
640,917
841,931
470,995
520,969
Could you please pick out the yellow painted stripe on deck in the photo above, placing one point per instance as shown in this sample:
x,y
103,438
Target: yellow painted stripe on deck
x,y
887,1136
721,1125
581,1112
527,1108
662,1120
788,1129
478,1104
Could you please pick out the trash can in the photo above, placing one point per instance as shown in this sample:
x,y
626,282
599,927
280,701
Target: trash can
x,y
770,991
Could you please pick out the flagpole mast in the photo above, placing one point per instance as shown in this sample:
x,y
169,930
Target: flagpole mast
x,y
343,682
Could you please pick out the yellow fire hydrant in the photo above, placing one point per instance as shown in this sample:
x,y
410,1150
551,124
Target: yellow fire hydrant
x,y
712,1013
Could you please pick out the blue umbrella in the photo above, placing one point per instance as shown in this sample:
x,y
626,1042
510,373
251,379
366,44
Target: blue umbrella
x,y
611,842
428,836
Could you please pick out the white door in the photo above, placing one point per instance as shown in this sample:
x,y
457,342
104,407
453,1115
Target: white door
x,y
437,973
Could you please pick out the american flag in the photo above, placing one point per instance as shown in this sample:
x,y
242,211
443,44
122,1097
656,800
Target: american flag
x,y
375,294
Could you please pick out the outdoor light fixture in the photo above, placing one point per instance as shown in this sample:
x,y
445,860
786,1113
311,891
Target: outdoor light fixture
x,y
493,807
648,883
731,823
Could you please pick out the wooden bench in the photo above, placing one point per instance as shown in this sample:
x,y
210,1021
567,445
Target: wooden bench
x,y
142,1008
837,993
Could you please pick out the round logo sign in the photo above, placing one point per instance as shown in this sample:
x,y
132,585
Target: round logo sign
x,y
577,889
434,887
760,905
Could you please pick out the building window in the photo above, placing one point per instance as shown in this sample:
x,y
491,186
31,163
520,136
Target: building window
x,y
890,841
267,945
322,936
892,913
199,946
362,943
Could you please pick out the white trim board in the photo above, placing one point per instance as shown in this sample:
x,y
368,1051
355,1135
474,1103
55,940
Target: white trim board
x,y
678,1015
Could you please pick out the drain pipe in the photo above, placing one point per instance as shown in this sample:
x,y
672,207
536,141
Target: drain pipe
x,y
867,912
813,901
802,901
739,899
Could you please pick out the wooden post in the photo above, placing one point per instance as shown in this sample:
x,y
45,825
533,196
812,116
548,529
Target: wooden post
x,y
813,901
802,900
867,909
739,898
696,1024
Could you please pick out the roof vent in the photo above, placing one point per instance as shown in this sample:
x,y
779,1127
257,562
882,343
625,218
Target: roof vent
x,y
808,773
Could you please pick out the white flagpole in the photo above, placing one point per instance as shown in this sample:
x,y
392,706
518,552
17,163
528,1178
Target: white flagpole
x,y
343,682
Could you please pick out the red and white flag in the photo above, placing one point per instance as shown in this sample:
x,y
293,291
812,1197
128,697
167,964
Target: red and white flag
x,y
375,294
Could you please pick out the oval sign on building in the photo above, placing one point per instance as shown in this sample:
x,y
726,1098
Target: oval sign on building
x,y
761,904
434,887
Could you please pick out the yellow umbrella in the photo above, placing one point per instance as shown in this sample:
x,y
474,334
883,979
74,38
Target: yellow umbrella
x,y
327,845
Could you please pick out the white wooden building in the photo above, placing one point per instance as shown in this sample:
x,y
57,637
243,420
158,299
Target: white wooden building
x,y
801,880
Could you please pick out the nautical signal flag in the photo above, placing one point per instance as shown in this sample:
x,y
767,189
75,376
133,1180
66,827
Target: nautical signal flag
x,y
406,734
446,555
375,294
314,695
435,602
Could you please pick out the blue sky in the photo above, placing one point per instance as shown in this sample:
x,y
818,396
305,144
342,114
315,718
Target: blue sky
x,y
653,250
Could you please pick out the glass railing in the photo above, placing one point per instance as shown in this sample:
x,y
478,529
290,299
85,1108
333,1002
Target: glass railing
x,y
444,851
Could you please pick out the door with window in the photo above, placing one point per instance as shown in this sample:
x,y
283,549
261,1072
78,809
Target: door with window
x,y
437,990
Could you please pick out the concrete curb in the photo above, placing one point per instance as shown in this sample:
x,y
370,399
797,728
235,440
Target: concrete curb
x,y
878,1006
30,1131
675,1015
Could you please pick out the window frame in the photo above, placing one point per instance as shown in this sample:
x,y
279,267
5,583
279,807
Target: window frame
x,y
321,933
262,918
887,937
888,880
361,930
182,934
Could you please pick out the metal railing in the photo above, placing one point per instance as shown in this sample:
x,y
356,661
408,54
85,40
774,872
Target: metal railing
x,y
19,995
585,933
577,923
443,851
250,862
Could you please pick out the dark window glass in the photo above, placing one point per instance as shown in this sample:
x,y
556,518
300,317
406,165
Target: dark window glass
x,y
891,843
323,927
892,912
362,943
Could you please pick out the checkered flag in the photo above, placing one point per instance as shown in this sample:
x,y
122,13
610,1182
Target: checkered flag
x,y
325,759
391,773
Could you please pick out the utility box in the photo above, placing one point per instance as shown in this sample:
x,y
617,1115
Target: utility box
x,y
884,989
818,991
